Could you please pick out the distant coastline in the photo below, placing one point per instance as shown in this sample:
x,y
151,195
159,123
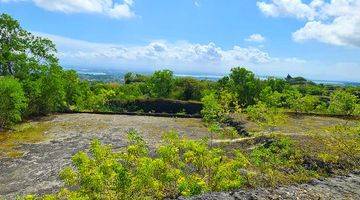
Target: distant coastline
x,y
118,74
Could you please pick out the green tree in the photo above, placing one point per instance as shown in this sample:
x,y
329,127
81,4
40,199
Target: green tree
x,y
289,96
31,59
276,84
45,91
131,77
188,88
21,53
244,84
13,101
342,102
130,91
161,84
271,98
307,103
76,91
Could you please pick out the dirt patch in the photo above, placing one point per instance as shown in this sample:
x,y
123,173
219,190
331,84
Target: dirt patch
x,y
36,169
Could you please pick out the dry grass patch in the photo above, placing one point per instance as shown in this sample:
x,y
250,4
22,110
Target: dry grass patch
x,y
31,132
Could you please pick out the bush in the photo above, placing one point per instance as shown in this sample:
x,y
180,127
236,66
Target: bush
x,y
180,167
264,115
13,101
342,103
341,146
129,92
188,88
357,109
212,110
280,162
307,104
190,167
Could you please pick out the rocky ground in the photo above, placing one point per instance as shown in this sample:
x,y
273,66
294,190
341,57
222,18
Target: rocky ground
x,y
37,171
340,187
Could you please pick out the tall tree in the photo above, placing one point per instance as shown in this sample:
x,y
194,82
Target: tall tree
x,y
161,83
32,60
13,101
244,84
22,53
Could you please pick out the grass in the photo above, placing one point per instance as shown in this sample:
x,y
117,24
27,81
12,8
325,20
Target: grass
x,y
30,132
295,125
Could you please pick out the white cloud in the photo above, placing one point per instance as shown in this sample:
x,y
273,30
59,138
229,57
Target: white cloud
x,y
334,22
255,38
180,55
106,7
293,8
185,57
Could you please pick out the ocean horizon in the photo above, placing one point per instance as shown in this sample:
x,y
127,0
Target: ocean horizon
x,y
211,77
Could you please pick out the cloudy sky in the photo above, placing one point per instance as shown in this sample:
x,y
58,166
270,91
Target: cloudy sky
x,y
318,39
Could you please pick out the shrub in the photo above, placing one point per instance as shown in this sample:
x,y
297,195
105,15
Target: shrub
x,y
98,101
272,99
212,110
341,145
357,109
180,167
275,153
307,104
279,162
13,101
342,102
265,116
129,92
190,167
187,88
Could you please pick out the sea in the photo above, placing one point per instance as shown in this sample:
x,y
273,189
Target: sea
x,y
116,76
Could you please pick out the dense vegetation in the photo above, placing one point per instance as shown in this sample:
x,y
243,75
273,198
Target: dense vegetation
x,y
33,83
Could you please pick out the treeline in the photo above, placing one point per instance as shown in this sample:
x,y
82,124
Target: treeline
x,y
31,79
33,83
266,100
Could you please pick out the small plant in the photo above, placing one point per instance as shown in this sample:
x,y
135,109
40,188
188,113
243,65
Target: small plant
x,y
265,116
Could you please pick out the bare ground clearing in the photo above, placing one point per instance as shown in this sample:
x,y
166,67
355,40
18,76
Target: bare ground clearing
x,y
32,156
36,169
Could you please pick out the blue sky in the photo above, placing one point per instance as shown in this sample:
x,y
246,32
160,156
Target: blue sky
x,y
318,39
